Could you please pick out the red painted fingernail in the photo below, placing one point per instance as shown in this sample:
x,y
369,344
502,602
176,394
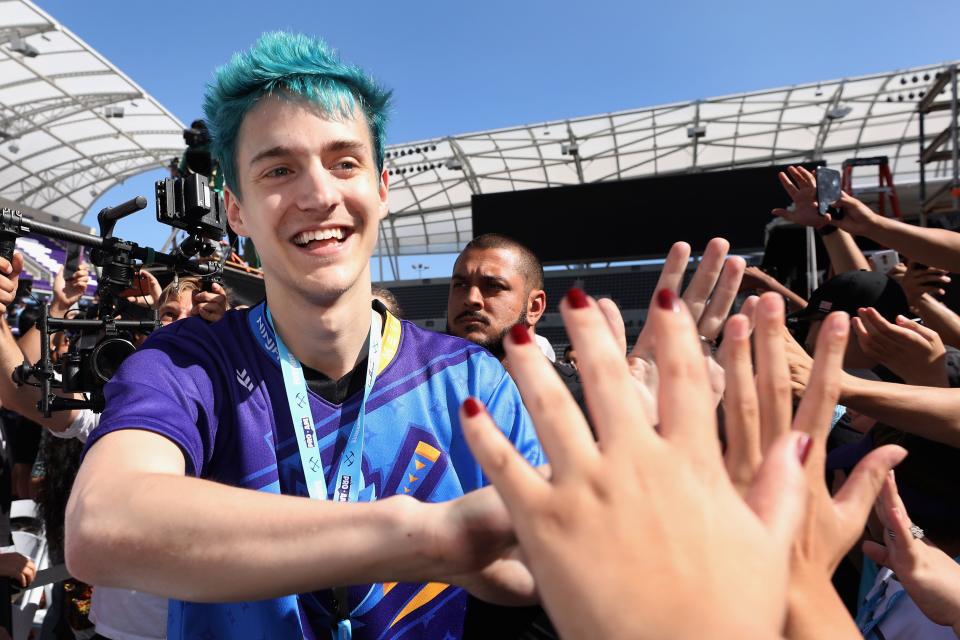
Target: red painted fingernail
x,y
519,334
577,298
472,407
803,447
667,300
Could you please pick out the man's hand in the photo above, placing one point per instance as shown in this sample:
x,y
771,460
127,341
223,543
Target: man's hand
x,y
18,567
210,305
67,293
929,280
9,276
709,298
801,186
146,290
910,350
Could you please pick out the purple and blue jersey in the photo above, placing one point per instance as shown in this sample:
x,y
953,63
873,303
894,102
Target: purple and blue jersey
x,y
215,391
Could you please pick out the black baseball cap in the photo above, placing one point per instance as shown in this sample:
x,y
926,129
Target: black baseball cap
x,y
851,291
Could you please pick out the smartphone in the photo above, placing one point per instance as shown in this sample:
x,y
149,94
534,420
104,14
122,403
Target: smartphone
x,y
828,188
884,261
74,260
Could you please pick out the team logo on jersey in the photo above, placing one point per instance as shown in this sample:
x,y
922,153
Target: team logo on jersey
x,y
244,380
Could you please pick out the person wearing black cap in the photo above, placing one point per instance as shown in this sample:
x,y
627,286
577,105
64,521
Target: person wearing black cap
x,y
850,292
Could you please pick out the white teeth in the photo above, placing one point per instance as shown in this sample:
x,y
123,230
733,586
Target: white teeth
x,y
318,234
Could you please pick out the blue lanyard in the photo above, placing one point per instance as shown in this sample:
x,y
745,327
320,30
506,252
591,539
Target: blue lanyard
x,y
348,486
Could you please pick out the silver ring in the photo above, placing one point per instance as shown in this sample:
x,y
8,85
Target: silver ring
x,y
915,531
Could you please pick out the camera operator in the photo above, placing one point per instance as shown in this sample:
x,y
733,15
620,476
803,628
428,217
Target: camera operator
x,y
118,614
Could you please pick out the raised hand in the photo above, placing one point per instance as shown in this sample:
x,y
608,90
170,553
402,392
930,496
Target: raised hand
x,y
9,277
910,350
210,305
801,186
930,576
67,293
641,502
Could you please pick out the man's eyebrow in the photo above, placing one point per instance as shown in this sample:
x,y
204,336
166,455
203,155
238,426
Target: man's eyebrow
x,y
495,279
334,146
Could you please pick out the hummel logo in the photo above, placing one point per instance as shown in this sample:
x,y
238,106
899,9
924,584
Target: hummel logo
x,y
244,380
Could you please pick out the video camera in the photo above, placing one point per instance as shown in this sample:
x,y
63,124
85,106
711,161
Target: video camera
x,y
106,336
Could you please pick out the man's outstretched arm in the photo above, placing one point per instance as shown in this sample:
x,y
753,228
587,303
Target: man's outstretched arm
x,y
134,520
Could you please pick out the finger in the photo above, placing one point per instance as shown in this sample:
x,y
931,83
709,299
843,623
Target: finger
x,y
722,298
816,409
861,332
671,276
788,185
778,496
516,481
740,406
894,514
749,309
705,278
805,177
773,373
684,397
858,494
926,332
610,391
611,312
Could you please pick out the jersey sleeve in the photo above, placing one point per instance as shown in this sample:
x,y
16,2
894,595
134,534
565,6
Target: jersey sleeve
x,y
165,387
506,408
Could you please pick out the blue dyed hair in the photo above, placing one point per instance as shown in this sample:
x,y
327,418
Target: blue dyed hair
x,y
294,64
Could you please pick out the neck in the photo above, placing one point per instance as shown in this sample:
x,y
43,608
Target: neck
x,y
326,337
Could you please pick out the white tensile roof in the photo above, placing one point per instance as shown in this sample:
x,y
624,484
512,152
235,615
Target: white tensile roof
x,y
432,180
71,124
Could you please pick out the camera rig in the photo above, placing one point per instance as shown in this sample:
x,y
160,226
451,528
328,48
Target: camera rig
x,y
102,339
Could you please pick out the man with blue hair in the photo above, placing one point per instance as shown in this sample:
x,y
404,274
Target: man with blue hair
x,y
196,483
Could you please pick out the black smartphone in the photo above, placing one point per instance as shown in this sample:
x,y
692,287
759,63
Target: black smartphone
x,y
74,259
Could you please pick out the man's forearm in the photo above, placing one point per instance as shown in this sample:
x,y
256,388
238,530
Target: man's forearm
x,y
935,247
932,413
844,253
199,540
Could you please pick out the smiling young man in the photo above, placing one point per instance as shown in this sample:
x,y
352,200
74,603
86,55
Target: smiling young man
x,y
311,394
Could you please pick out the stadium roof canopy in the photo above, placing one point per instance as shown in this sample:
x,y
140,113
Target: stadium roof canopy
x,y
71,124
432,181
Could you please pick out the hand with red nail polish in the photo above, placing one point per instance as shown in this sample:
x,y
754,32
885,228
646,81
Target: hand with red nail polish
x,y
649,497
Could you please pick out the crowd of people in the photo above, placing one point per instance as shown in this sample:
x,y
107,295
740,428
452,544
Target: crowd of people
x,y
316,467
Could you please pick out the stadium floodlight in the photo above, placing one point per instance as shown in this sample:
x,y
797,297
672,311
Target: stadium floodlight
x,y
21,46
570,148
420,268
453,164
698,131
113,112
838,112
14,147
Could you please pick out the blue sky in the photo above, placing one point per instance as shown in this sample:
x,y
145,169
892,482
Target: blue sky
x,y
468,66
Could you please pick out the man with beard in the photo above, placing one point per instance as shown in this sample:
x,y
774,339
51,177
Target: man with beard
x,y
497,283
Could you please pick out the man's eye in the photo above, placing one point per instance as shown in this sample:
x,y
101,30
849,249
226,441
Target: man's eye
x,y
277,172
345,165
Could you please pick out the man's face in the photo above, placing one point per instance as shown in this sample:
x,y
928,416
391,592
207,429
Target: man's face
x,y
488,295
311,197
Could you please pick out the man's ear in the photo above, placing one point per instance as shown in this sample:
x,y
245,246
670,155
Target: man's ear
x,y
384,192
536,306
234,215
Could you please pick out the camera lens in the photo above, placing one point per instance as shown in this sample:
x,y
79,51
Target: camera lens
x,y
108,355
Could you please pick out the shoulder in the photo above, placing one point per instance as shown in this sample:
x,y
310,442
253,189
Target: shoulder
x,y
424,348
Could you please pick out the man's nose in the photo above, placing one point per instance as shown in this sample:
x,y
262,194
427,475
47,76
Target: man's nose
x,y
318,189
474,298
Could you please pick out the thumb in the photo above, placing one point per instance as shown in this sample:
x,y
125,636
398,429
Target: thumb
x,y
859,493
16,265
778,495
